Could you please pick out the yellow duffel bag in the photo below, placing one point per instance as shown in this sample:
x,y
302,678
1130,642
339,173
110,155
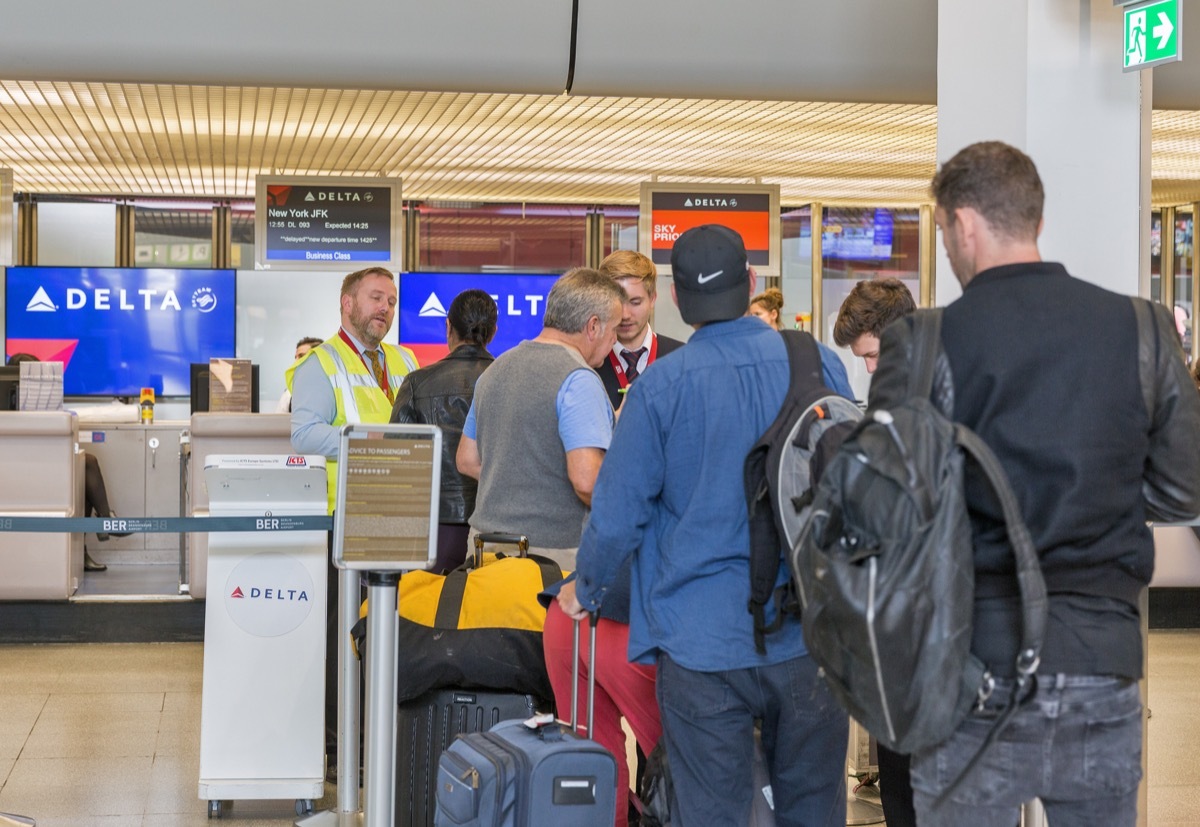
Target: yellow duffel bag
x,y
475,627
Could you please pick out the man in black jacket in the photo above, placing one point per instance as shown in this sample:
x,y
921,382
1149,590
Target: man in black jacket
x,y
1084,397
441,395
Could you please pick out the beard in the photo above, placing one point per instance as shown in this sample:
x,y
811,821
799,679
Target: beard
x,y
361,323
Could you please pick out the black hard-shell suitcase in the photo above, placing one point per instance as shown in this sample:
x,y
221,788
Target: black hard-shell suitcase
x,y
425,726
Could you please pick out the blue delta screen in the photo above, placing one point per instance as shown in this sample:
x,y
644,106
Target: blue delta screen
x,y
425,298
117,330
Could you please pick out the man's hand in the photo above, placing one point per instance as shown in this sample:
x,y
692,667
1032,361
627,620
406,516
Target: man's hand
x,y
567,601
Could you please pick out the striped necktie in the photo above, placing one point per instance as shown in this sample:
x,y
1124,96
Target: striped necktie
x,y
632,357
380,376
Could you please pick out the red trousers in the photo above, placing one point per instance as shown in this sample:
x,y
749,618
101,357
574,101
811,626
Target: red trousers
x,y
622,689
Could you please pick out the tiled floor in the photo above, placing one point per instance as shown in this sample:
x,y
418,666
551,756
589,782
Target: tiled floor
x,y
107,735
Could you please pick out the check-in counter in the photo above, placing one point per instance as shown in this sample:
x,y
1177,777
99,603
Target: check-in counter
x,y
225,433
41,475
141,467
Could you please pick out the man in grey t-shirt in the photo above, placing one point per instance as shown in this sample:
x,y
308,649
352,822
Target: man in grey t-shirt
x,y
540,421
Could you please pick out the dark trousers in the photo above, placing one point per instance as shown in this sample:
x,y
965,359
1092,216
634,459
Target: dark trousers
x,y
1076,745
895,788
708,722
95,494
452,546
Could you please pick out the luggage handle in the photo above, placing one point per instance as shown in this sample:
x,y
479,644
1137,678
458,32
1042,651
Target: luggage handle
x,y
593,617
518,540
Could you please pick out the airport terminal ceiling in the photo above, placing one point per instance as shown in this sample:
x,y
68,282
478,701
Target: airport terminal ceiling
x,y
189,104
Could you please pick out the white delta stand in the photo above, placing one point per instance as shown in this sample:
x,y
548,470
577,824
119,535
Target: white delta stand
x,y
385,523
263,701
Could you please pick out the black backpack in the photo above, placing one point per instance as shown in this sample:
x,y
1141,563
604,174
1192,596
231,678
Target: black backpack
x,y
885,569
778,473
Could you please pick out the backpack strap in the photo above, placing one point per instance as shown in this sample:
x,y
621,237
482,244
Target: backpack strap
x,y
1033,597
927,342
766,548
1029,568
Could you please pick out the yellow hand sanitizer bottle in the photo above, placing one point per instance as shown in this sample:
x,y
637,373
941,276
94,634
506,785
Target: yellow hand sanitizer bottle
x,y
147,404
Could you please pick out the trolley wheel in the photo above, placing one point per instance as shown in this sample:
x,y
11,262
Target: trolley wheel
x,y
304,806
214,809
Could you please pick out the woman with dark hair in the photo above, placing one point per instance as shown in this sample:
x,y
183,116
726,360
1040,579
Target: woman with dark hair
x,y
441,395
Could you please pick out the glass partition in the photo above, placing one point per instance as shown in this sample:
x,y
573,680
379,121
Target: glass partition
x,y
859,243
620,229
1156,256
76,232
795,230
241,232
549,237
172,233
1185,270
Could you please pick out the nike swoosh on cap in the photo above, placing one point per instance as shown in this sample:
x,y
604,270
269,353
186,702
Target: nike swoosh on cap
x,y
708,278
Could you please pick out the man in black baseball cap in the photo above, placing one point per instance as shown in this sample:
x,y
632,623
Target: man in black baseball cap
x,y
712,278
670,497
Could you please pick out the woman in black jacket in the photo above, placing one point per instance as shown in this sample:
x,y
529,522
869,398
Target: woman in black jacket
x,y
441,395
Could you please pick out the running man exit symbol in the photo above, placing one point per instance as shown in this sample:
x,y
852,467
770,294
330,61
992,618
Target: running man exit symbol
x,y
1152,34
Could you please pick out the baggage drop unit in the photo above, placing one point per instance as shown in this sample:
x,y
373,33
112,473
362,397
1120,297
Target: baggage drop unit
x,y
263,699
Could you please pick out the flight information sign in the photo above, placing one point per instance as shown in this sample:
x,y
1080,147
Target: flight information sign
x,y
669,210
321,222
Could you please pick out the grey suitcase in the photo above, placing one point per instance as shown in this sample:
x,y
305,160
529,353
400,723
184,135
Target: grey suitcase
x,y
520,774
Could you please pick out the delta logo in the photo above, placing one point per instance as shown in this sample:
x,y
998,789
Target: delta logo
x,y
699,202
508,305
103,298
297,461
345,195
270,593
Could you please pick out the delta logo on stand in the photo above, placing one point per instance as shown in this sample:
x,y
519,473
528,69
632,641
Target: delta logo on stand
x,y
269,594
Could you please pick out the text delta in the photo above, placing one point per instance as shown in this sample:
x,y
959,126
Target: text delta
x,y
143,298
532,299
276,593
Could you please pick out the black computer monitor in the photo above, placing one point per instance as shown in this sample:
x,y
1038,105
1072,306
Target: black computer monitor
x,y
10,382
199,379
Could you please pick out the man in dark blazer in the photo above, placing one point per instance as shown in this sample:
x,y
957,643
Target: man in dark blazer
x,y
637,345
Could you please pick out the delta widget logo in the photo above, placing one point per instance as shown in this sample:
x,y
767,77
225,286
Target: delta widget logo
x,y
433,307
204,300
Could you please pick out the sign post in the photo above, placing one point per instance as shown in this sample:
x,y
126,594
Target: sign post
x,y
1152,34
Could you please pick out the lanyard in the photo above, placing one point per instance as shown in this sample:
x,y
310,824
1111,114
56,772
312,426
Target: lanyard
x,y
619,367
384,386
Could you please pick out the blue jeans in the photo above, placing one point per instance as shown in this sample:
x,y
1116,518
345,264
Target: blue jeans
x,y
708,722
1076,745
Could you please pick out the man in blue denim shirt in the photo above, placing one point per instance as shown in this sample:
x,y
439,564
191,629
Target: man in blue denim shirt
x,y
670,493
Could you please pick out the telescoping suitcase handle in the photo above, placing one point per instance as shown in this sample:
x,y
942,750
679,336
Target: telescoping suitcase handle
x,y
591,705
518,540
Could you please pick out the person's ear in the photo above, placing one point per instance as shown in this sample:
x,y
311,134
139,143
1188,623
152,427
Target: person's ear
x,y
674,295
753,279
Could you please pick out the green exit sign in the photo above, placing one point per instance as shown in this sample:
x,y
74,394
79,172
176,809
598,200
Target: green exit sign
x,y
1152,34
